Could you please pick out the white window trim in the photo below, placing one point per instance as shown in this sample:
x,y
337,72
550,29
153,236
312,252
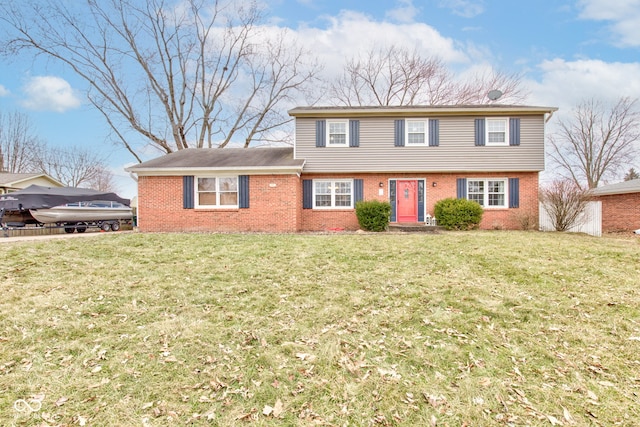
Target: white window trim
x,y
406,133
328,131
333,194
196,199
506,132
486,191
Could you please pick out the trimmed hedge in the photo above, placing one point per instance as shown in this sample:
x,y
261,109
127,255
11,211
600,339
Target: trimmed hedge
x,y
458,214
373,215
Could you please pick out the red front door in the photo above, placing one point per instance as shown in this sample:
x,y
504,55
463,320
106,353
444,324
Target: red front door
x,y
407,201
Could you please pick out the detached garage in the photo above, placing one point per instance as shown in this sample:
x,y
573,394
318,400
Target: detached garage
x,y
620,205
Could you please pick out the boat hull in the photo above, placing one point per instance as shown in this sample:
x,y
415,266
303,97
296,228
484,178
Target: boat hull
x,y
73,214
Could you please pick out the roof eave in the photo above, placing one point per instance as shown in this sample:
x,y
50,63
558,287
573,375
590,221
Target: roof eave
x,y
256,170
413,111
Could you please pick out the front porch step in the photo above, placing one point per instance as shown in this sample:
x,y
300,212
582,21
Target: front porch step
x,y
414,228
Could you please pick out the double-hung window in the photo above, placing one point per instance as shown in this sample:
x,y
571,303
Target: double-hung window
x,y
416,132
497,132
489,193
333,194
217,192
337,133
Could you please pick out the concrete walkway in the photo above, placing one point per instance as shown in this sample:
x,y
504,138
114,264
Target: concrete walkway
x,y
96,234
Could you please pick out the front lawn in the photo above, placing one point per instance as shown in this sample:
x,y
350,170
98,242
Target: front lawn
x,y
453,329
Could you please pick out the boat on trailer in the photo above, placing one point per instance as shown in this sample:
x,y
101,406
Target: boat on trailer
x,y
75,209
101,213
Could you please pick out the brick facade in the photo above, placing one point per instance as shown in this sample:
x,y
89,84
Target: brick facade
x,y
620,212
273,207
275,203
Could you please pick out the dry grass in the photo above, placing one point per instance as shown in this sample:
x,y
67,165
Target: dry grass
x,y
477,329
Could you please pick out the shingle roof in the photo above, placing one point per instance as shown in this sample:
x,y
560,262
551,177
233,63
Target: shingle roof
x,y
223,158
10,178
632,186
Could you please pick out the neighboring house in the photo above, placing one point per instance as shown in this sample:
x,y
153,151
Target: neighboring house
x,y
620,205
10,182
409,156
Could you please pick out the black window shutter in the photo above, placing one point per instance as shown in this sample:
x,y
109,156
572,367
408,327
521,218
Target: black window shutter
x,y
480,132
187,192
321,128
514,131
434,133
243,191
514,192
307,193
354,133
461,186
398,139
358,190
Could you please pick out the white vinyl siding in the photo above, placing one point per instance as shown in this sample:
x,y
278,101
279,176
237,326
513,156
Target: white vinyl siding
x,y
456,150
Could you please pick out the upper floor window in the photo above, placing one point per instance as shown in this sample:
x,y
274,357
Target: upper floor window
x,y
332,194
490,193
217,192
337,133
416,132
497,132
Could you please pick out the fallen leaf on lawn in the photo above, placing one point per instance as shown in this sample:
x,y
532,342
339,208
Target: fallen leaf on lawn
x,y
485,382
591,395
306,356
170,359
97,369
554,421
478,400
267,410
147,405
82,420
567,416
606,383
61,401
434,421
278,408
100,384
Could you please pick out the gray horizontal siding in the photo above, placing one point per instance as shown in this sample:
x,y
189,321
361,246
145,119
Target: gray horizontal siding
x,y
456,152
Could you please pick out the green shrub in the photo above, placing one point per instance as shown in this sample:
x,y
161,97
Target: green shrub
x,y
458,214
373,215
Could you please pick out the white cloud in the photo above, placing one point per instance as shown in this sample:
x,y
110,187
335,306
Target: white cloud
x,y
4,91
565,84
405,13
464,8
353,33
50,93
624,17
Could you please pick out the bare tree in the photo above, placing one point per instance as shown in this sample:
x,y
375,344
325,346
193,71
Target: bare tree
x,y
18,144
565,202
103,180
75,167
597,142
172,75
397,76
632,174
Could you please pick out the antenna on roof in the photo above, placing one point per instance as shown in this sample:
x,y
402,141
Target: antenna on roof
x,y
494,94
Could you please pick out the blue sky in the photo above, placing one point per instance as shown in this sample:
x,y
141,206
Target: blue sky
x,y
566,51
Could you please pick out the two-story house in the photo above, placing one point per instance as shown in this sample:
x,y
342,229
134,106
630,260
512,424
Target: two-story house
x,y
409,156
